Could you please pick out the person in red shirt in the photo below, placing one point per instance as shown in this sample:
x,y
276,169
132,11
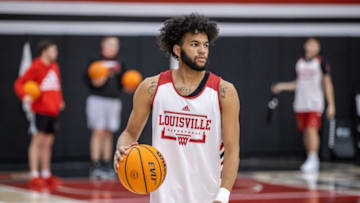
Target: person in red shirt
x,y
45,110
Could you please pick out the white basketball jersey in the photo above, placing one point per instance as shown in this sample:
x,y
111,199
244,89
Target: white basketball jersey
x,y
187,131
309,95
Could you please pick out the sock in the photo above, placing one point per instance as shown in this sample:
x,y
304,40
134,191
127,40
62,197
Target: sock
x,y
313,156
34,174
96,164
45,174
106,163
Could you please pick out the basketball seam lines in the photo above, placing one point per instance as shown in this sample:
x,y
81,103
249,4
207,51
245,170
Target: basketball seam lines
x,y
157,162
142,167
127,180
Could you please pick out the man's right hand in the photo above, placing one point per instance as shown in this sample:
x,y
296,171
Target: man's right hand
x,y
27,99
277,88
99,82
26,102
119,153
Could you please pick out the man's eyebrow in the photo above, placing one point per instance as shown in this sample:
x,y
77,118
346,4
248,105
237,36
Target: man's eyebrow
x,y
194,40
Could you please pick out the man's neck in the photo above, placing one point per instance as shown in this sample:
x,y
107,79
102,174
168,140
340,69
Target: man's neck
x,y
187,76
45,60
309,57
108,56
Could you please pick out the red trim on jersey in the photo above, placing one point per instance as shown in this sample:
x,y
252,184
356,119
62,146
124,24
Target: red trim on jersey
x,y
319,58
221,146
163,79
214,83
186,97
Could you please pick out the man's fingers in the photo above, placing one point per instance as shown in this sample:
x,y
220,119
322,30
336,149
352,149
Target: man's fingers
x,y
120,152
125,148
117,155
116,165
117,158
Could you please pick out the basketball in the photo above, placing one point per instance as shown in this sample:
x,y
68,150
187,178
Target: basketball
x,y
98,70
32,89
131,79
142,170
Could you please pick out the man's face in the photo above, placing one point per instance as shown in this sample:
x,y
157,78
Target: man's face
x,y
312,48
51,53
110,47
195,51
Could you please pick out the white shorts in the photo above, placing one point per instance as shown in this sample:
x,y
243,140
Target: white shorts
x,y
103,113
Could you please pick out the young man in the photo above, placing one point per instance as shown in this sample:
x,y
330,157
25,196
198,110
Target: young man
x,y
195,116
45,72
103,109
313,78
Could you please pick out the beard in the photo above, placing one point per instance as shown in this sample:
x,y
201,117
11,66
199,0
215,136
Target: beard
x,y
192,63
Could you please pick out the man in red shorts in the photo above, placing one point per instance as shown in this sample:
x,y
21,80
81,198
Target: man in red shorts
x,y
45,72
313,79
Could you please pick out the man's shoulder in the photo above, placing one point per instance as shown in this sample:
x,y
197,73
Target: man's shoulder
x,y
226,88
151,80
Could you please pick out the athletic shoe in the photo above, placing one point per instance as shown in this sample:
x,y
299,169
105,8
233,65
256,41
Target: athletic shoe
x,y
310,166
109,172
96,171
53,182
36,183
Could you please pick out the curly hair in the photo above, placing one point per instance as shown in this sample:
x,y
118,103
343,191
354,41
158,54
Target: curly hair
x,y
174,30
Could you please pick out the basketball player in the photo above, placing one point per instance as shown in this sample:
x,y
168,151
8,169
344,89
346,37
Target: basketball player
x,y
45,71
195,116
103,109
313,78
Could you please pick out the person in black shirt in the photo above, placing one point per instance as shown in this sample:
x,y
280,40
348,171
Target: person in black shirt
x,y
103,108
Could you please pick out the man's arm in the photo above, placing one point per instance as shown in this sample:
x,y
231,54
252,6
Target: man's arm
x,y
230,126
142,102
329,93
284,86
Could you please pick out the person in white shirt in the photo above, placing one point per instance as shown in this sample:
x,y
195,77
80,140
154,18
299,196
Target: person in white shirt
x,y
313,79
195,116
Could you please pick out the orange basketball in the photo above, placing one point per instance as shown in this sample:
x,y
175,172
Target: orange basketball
x,y
131,79
32,89
98,70
142,170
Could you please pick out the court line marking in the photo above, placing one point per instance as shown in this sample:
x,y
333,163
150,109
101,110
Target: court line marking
x,y
71,190
38,194
268,178
287,195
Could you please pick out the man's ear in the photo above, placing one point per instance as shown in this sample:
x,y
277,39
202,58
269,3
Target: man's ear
x,y
177,50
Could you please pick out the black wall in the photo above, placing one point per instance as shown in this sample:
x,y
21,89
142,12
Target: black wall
x,y
251,63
